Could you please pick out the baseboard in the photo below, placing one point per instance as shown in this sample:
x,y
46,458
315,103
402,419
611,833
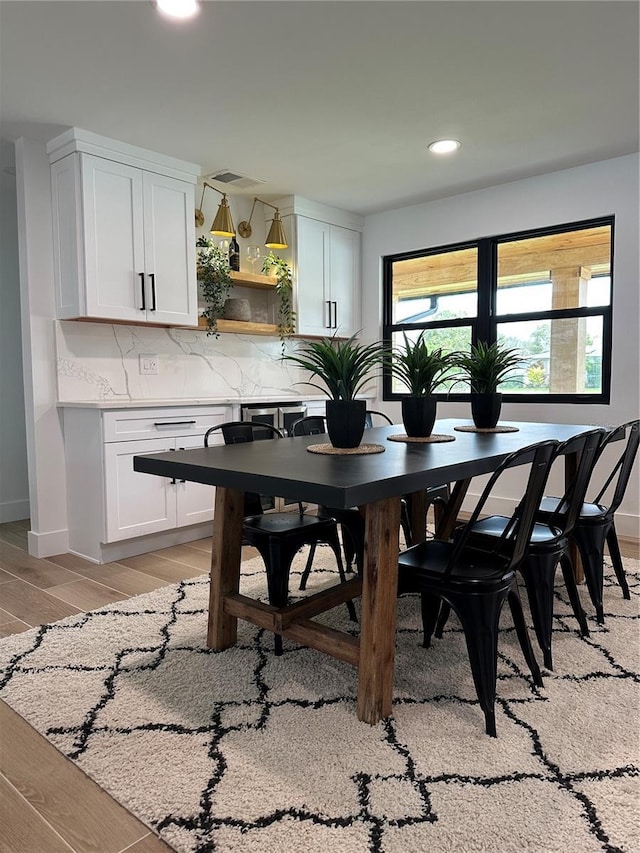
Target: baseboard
x,y
111,553
14,511
47,544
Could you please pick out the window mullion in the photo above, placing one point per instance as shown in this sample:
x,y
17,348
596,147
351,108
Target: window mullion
x,y
485,328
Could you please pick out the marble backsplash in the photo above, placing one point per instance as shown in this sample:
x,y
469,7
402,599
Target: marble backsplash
x,y
98,361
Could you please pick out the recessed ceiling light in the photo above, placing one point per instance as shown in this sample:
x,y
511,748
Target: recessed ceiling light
x,y
178,8
444,146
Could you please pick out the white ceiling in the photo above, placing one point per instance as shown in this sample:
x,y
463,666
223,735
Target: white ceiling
x,y
334,101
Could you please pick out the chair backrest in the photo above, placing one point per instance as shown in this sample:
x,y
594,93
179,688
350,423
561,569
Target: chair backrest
x,y
587,446
513,543
239,432
622,468
310,425
368,421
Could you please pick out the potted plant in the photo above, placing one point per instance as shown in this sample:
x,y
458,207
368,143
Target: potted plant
x,y
344,367
421,371
214,280
485,366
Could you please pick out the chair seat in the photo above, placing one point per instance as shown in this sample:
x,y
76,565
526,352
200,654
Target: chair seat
x,y
542,534
428,562
587,510
283,523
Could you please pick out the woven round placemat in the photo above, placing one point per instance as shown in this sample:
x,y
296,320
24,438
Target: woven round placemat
x,y
487,429
360,450
427,439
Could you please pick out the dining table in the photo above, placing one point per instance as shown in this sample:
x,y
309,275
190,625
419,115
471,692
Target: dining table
x,y
375,482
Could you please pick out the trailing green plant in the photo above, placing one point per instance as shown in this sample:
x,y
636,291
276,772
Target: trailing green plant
x,y
214,276
343,365
485,366
420,370
285,315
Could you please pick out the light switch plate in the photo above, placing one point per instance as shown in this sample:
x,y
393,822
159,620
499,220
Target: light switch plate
x,y
148,365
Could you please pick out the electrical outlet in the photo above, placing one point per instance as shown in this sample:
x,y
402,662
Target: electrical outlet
x,y
148,365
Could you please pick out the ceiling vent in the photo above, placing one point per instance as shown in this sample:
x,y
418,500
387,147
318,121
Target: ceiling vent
x,y
234,179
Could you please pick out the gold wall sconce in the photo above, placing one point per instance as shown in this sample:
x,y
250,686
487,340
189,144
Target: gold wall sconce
x,y
222,225
276,238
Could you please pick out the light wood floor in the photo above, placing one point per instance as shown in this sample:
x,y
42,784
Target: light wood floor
x,y
48,805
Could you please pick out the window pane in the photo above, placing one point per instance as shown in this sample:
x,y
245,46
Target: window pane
x,y
560,356
447,339
435,287
567,270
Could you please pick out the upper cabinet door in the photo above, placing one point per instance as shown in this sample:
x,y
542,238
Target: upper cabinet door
x,y
344,271
113,249
312,262
169,250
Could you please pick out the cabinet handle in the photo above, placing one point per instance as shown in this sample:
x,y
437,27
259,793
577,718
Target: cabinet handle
x,y
182,448
172,423
152,276
144,304
329,313
172,481
335,315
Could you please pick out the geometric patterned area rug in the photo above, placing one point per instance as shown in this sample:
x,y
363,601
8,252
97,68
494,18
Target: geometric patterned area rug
x,y
243,751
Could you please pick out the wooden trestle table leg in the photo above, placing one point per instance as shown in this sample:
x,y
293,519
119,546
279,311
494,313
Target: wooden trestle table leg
x,y
226,554
378,610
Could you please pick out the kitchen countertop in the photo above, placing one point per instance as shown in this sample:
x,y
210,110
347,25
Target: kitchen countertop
x,y
168,402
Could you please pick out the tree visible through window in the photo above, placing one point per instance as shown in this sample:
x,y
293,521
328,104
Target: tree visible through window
x,y
548,293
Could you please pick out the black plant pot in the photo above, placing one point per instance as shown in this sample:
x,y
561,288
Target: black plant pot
x,y
345,421
485,409
419,415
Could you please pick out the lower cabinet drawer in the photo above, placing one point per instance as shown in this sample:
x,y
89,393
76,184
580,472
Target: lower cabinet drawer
x,y
139,424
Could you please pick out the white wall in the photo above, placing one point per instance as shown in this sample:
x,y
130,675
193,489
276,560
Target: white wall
x,y
14,486
45,445
599,189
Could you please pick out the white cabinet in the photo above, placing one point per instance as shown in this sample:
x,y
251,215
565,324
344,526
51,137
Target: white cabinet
x,y
137,504
325,254
124,233
328,278
108,501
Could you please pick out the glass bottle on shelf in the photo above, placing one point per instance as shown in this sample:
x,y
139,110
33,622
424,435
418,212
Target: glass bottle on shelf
x,y
234,254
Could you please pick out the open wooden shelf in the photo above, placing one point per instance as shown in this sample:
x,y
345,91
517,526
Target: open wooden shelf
x,y
240,327
249,279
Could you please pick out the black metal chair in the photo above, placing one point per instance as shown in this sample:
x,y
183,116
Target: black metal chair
x,y
278,536
596,522
475,584
549,545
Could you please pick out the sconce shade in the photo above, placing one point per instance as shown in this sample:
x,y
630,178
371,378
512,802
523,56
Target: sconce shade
x,y
223,224
276,238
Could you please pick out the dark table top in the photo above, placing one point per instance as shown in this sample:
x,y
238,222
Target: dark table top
x,y
284,467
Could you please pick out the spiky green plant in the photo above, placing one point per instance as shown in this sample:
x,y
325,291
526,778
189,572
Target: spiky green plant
x,y
485,366
344,366
420,370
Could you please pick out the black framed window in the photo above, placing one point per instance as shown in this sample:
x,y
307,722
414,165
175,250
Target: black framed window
x,y
547,292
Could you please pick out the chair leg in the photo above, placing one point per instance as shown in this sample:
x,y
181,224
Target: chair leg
x,y
405,524
445,610
523,636
278,556
307,568
334,542
479,615
616,559
590,541
538,572
574,597
430,606
349,548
